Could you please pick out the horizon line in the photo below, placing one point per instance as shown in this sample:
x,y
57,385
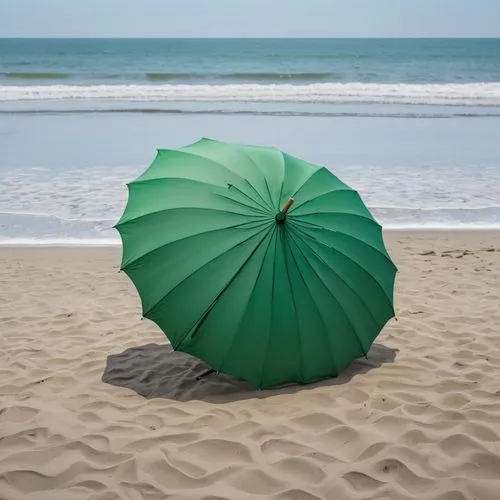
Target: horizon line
x,y
253,37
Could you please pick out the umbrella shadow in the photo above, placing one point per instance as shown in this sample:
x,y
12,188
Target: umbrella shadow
x,y
157,371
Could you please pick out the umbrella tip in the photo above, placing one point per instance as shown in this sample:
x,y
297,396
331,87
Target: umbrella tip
x,y
280,217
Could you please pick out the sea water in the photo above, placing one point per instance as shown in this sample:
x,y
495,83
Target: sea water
x,y
414,125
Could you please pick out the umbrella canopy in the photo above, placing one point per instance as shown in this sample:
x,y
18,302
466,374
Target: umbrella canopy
x,y
263,265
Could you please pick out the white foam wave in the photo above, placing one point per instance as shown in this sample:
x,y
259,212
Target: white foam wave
x,y
467,94
95,220
438,226
437,208
116,242
59,242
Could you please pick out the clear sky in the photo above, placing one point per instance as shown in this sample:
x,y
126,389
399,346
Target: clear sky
x,y
246,18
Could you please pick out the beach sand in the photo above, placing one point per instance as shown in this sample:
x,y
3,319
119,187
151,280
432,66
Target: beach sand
x,y
95,405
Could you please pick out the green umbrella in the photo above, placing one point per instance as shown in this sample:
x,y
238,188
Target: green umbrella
x,y
264,266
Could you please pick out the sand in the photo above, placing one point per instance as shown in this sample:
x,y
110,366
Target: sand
x,y
95,405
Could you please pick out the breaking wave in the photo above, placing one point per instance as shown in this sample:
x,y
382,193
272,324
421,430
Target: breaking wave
x,y
467,94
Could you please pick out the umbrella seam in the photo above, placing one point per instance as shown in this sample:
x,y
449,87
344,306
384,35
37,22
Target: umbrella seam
x,y
240,203
224,359
264,358
192,236
301,360
243,149
313,173
363,350
170,178
147,181
197,324
264,176
315,198
387,258
223,166
282,180
270,195
336,212
217,186
121,224
183,239
353,290
357,264
190,274
316,172
325,328
249,197
268,207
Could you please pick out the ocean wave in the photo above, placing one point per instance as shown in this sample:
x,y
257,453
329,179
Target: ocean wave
x,y
44,215
59,242
98,241
245,112
28,75
169,76
467,94
281,76
443,208
52,221
400,208
244,76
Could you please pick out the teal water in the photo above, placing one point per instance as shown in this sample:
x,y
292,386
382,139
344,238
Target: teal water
x,y
451,72
414,125
250,60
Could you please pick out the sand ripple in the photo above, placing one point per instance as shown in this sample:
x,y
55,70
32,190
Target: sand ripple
x,y
95,405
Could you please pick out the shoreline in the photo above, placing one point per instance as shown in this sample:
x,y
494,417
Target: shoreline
x,y
416,231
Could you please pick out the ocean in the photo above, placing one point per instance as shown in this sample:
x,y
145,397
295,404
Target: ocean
x,y
412,124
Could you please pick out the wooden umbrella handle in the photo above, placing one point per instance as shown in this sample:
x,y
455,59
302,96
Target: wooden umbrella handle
x,y
287,206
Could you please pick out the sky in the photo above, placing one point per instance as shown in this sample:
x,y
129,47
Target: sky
x,y
249,18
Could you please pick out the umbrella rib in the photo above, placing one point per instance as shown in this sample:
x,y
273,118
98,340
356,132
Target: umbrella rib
x,y
301,360
269,192
205,209
320,316
342,186
335,212
198,269
192,236
241,203
138,182
249,197
357,264
220,165
254,286
363,350
199,322
313,173
322,228
167,179
315,198
266,203
282,180
353,290
264,358
264,177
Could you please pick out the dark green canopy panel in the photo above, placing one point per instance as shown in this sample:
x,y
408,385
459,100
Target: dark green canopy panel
x,y
258,292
